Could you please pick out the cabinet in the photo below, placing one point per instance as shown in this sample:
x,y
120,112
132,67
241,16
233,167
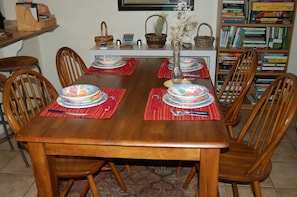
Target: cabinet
x,y
263,24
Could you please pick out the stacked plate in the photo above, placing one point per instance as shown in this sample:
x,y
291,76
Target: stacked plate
x,y
188,96
187,64
81,96
109,61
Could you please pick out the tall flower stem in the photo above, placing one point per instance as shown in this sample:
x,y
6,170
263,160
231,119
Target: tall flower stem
x,y
176,74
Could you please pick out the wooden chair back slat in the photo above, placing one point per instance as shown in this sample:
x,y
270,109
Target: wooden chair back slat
x,y
69,66
27,93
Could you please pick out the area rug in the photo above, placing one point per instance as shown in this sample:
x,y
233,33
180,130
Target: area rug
x,y
145,179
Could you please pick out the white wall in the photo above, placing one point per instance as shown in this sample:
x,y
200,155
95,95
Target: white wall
x,y
79,21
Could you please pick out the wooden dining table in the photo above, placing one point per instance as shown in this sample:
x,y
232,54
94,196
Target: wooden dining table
x,y
126,134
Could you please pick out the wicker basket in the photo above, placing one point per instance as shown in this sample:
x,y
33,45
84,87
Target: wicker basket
x,y
104,38
153,40
204,41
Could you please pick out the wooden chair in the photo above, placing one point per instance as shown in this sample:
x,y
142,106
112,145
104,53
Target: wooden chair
x,y
247,161
69,66
26,93
235,87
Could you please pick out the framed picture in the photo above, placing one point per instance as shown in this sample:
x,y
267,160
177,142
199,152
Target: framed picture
x,y
138,5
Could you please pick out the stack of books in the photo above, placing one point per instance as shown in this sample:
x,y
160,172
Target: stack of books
x,y
226,61
254,37
261,83
273,62
233,11
272,11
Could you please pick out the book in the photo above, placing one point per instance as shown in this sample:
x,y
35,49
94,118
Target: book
x,y
272,68
238,37
234,1
272,6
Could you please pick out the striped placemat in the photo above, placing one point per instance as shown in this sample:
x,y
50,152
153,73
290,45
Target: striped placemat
x,y
128,69
165,73
102,111
156,109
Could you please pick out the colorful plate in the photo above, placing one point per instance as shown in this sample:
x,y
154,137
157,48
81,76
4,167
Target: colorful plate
x,y
77,106
116,65
206,102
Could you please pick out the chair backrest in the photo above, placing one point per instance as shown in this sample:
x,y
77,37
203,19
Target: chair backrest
x,y
26,93
69,66
269,119
237,83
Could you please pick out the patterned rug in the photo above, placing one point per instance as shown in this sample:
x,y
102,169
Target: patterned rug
x,y
145,179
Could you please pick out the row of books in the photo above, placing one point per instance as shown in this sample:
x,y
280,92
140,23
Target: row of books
x,y
263,12
268,62
246,37
273,62
260,85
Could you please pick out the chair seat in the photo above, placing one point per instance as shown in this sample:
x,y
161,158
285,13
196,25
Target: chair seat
x,y
237,161
17,62
77,167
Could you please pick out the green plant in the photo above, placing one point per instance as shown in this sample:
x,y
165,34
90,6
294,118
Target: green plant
x,y
159,25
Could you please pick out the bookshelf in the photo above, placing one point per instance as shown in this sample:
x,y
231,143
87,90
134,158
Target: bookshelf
x,y
263,24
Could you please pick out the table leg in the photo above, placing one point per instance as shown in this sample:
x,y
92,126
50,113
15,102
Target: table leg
x,y
43,166
208,174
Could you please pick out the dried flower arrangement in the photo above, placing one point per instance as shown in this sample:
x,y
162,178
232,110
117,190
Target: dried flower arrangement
x,y
159,25
184,23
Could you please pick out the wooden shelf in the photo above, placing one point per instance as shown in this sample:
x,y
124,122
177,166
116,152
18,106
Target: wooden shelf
x,y
23,35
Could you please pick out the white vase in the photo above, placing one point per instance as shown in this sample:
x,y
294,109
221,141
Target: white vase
x,y
176,74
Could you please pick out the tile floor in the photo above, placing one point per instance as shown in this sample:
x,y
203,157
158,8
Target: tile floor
x,y
18,181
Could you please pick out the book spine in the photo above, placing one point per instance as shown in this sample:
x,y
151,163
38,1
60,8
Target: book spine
x,y
274,6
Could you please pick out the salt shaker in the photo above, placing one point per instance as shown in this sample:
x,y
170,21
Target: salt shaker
x,y
118,43
139,43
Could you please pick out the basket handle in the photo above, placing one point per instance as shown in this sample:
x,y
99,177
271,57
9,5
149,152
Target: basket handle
x,y
205,25
103,25
158,16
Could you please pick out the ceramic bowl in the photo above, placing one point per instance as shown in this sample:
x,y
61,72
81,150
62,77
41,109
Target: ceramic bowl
x,y
108,59
188,93
80,93
185,62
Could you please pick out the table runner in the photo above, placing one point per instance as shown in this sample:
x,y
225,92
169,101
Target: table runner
x,y
156,109
102,111
128,69
164,72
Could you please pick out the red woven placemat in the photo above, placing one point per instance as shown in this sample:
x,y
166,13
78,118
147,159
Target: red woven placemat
x,y
164,72
102,111
128,69
156,109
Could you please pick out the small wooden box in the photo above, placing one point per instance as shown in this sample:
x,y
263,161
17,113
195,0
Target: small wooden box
x,y
26,21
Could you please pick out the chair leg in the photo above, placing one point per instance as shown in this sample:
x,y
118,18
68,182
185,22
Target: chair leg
x,y
179,167
4,123
256,189
67,188
117,175
21,151
93,186
192,173
235,190
127,166
85,191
